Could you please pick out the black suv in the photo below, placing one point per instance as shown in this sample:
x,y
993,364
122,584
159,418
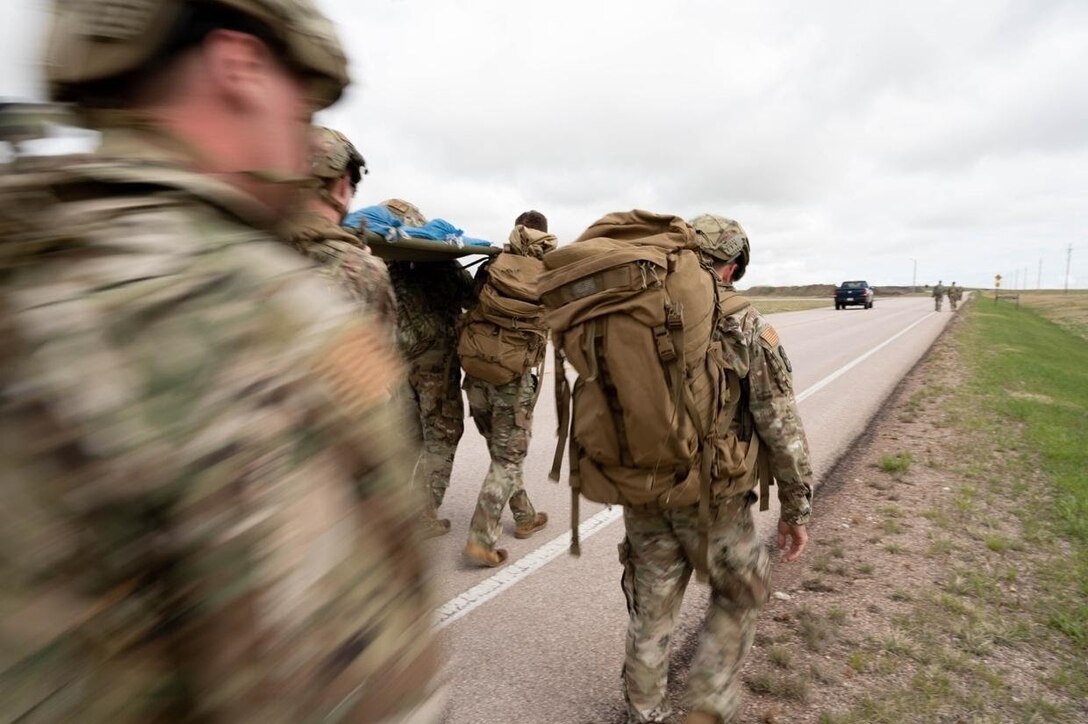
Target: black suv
x,y
849,293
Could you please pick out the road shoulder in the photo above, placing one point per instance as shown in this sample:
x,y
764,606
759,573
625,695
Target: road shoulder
x,y
916,599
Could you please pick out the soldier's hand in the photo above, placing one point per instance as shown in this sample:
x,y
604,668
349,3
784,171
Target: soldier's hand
x,y
797,537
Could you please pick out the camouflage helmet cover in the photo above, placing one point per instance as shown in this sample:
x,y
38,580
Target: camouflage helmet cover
x,y
406,211
332,155
723,239
98,40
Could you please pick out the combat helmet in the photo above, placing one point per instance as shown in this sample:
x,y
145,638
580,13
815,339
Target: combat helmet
x,y
406,211
95,41
723,239
332,155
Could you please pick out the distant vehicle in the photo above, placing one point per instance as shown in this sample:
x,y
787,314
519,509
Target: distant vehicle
x,y
853,293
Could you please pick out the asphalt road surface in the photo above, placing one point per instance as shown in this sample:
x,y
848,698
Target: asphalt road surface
x,y
540,641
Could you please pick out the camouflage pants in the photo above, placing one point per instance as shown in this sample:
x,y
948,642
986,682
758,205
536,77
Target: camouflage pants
x,y
657,557
438,413
504,416
936,304
952,301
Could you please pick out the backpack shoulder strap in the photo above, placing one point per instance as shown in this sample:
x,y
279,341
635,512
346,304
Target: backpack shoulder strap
x,y
731,303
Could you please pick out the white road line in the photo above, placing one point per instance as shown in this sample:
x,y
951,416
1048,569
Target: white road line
x,y
843,370
522,568
487,589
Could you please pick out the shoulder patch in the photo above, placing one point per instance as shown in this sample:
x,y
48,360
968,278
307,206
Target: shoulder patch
x,y
770,336
360,367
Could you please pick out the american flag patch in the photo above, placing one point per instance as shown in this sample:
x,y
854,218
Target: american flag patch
x,y
770,336
361,368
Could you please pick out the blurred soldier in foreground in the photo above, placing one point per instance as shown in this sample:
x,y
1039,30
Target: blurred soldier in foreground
x,y
938,296
344,257
660,546
430,298
502,344
201,517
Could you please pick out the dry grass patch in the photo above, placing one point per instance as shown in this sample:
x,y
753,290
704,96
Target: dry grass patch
x,y
1069,310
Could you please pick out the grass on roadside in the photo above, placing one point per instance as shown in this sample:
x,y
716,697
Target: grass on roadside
x,y
1024,415
1041,387
897,464
1069,310
774,306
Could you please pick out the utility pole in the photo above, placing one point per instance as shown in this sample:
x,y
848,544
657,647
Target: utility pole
x,y
1016,279
914,278
1068,259
1039,278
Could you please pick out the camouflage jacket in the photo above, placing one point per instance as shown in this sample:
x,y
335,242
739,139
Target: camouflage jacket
x,y
752,348
346,261
204,515
430,298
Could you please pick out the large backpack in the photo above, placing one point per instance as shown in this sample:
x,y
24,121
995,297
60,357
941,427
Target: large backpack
x,y
633,309
504,335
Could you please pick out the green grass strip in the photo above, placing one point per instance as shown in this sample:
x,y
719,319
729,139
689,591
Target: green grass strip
x,y
1033,375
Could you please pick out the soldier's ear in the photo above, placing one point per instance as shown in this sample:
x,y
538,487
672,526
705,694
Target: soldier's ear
x,y
728,271
343,190
238,66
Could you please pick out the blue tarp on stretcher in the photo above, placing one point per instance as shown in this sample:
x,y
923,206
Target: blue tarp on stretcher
x,y
437,240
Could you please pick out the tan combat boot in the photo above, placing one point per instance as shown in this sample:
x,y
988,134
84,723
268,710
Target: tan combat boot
x,y
431,526
524,531
477,554
701,717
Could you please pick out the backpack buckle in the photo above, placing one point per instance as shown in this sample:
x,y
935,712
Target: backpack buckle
x,y
674,316
665,349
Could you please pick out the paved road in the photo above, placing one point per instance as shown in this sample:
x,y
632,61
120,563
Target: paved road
x,y
540,641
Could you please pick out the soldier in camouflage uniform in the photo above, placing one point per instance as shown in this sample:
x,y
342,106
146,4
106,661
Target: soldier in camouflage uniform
x,y
344,257
430,298
955,294
504,416
202,513
938,296
660,546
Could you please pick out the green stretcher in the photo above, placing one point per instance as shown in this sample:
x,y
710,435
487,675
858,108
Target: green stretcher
x,y
423,250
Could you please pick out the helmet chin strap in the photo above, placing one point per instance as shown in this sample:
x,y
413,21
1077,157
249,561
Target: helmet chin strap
x,y
277,178
330,200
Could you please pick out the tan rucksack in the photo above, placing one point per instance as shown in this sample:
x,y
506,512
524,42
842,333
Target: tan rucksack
x,y
633,309
504,335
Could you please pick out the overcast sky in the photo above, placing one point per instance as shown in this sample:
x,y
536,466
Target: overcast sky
x,y
849,139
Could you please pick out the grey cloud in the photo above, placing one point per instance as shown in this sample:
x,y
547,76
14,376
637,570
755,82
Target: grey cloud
x,y
848,138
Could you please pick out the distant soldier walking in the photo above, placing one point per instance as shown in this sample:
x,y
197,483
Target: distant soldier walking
x,y
938,296
502,344
955,294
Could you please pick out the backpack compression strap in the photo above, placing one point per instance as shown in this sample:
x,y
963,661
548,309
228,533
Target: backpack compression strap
x,y
563,436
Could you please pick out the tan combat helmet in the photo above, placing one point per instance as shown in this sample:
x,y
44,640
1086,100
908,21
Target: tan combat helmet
x,y
723,239
331,156
92,41
407,212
